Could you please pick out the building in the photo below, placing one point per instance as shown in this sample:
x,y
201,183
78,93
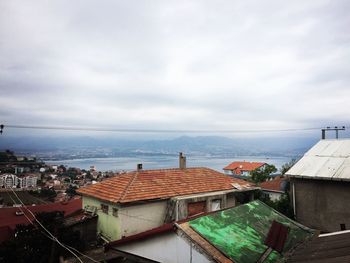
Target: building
x,y
243,168
275,188
332,247
320,186
14,181
13,216
137,201
246,233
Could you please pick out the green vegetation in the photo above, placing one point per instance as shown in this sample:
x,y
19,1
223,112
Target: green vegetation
x,y
48,194
287,166
283,205
261,175
71,190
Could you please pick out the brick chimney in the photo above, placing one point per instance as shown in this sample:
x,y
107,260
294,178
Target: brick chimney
x,y
182,161
139,167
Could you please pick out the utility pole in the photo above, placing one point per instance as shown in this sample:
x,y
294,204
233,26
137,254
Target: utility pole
x,y
335,128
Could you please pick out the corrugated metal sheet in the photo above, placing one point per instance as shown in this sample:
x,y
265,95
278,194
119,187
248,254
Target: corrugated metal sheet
x,y
328,159
240,232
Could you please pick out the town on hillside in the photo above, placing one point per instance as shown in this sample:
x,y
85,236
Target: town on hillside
x,y
248,212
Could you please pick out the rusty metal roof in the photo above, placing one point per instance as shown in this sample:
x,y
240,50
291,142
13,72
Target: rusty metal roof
x,y
328,159
333,248
239,232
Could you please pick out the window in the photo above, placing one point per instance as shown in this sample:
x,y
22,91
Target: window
x,y
196,208
104,208
215,204
115,212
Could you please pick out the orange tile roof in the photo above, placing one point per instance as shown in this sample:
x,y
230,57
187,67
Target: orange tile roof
x,y
161,184
244,166
273,185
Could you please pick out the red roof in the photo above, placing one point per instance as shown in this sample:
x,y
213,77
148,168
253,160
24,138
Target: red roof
x,y
243,166
161,184
273,185
8,217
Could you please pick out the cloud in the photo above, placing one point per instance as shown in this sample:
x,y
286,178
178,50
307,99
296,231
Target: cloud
x,y
175,64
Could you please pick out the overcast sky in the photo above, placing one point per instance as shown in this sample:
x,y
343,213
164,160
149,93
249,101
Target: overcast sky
x,y
175,64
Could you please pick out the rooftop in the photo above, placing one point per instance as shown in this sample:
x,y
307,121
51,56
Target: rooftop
x,y
244,166
162,184
239,233
276,185
334,247
231,235
328,159
9,218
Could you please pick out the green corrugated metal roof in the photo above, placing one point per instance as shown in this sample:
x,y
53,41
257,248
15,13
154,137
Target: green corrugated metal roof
x,y
240,232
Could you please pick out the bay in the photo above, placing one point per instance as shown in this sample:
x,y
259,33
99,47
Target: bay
x,y
164,161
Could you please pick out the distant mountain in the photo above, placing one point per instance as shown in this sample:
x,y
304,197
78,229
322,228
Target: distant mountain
x,y
199,145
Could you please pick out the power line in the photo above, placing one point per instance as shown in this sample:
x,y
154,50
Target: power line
x,y
47,231
134,130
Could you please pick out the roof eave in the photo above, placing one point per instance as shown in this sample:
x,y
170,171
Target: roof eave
x,y
319,178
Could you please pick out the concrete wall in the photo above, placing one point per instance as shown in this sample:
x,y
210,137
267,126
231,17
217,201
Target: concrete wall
x,y
322,204
230,200
129,220
87,231
138,218
107,224
227,200
166,248
135,219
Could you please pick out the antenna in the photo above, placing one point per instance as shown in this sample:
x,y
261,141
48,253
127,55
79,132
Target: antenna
x,y
335,128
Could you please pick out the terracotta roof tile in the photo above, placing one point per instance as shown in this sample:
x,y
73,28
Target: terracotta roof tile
x,y
161,184
244,166
9,218
273,185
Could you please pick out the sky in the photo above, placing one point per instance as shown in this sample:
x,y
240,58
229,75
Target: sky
x,y
204,65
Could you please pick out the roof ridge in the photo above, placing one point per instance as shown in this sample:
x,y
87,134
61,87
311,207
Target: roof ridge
x,y
123,194
167,169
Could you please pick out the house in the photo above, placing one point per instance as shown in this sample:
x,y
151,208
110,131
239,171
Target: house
x,y
275,188
320,186
332,247
13,216
137,201
243,168
240,234
13,181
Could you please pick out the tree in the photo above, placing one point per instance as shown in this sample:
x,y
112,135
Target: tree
x,y
260,175
287,166
71,190
283,205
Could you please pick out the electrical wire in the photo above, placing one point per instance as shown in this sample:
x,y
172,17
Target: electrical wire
x,y
133,130
52,238
47,231
138,217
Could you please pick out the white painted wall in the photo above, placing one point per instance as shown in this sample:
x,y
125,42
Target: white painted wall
x,y
166,248
135,219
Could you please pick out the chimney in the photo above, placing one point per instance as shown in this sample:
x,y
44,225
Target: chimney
x,y
139,167
182,161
